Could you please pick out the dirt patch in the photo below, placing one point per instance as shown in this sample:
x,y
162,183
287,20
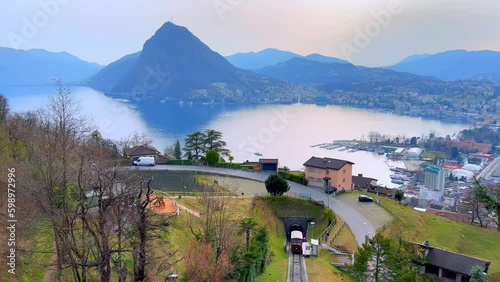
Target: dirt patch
x,y
165,205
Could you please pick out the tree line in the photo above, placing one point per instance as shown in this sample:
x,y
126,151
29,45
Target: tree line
x,y
98,211
201,146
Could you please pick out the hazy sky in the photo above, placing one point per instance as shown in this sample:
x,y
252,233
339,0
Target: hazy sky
x,y
366,32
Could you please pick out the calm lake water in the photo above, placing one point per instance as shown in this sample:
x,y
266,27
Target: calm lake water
x,y
276,131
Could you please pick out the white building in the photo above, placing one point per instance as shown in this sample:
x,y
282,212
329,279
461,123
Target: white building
x,y
414,153
429,194
462,172
472,167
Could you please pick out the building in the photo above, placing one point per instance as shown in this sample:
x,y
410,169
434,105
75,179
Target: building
x,y
414,153
449,266
328,172
434,178
360,182
470,146
145,151
430,194
142,151
268,164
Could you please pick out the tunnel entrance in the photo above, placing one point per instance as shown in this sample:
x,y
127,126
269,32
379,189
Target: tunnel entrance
x,y
296,224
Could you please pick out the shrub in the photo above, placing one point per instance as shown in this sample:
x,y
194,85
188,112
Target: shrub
x,y
301,179
179,162
212,157
228,165
250,166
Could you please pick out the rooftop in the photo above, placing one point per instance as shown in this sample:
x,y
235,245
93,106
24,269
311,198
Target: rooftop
x,y
327,163
142,150
453,261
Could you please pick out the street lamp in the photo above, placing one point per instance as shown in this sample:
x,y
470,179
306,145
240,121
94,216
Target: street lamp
x,y
312,229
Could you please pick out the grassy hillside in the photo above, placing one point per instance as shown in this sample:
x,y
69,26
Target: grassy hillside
x,y
443,233
266,212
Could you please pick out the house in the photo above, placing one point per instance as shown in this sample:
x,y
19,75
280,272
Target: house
x,y
145,151
360,182
449,266
382,191
141,151
268,164
328,172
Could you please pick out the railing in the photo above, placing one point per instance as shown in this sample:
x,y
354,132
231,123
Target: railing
x,y
329,228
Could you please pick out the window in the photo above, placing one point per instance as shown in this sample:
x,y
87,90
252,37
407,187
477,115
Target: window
x,y
311,169
343,180
344,171
327,172
319,171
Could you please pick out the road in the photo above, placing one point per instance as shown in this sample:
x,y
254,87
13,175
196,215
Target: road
x,y
489,169
358,224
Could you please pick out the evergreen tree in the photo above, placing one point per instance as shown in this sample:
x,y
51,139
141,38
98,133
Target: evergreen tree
x,y
382,259
194,145
213,141
477,274
177,150
276,185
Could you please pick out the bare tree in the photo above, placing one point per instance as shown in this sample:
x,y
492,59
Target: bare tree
x,y
49,149
216,229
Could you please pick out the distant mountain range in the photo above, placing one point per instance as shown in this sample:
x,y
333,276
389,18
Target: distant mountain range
x,y
175,64
270,57
454,65
39,67
335,76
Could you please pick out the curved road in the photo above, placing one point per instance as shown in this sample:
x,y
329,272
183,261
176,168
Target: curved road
x,y
359,225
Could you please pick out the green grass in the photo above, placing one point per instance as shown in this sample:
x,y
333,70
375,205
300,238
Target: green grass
x,y
265,215
320,269
433,154
443,233
267,212
31,266
297,173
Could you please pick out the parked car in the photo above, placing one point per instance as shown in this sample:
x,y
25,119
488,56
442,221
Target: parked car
x,y
330,190
364,198
145,161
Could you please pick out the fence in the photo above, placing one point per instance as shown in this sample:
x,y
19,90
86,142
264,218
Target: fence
x,y
329,228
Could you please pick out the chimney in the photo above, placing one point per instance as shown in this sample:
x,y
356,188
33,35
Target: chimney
x,y
360,174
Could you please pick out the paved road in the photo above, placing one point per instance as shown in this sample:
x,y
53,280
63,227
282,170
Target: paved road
x,y
359,225
489,169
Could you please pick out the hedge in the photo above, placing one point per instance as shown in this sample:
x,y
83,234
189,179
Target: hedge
x,y
228,165
179,162
292,177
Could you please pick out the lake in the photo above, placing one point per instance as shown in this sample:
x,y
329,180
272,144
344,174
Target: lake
x,y
285,132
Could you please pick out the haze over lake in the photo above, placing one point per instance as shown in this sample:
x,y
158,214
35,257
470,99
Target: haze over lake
x,y
276,131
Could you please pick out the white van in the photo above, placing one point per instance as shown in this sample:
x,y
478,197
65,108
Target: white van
x,y
306,249
145,161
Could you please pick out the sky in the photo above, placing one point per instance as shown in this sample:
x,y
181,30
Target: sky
x,y
365,32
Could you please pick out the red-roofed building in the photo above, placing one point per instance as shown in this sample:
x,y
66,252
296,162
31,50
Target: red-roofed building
x,y
451,166
470,146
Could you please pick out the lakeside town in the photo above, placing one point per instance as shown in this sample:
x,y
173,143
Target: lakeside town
x,y
472,102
